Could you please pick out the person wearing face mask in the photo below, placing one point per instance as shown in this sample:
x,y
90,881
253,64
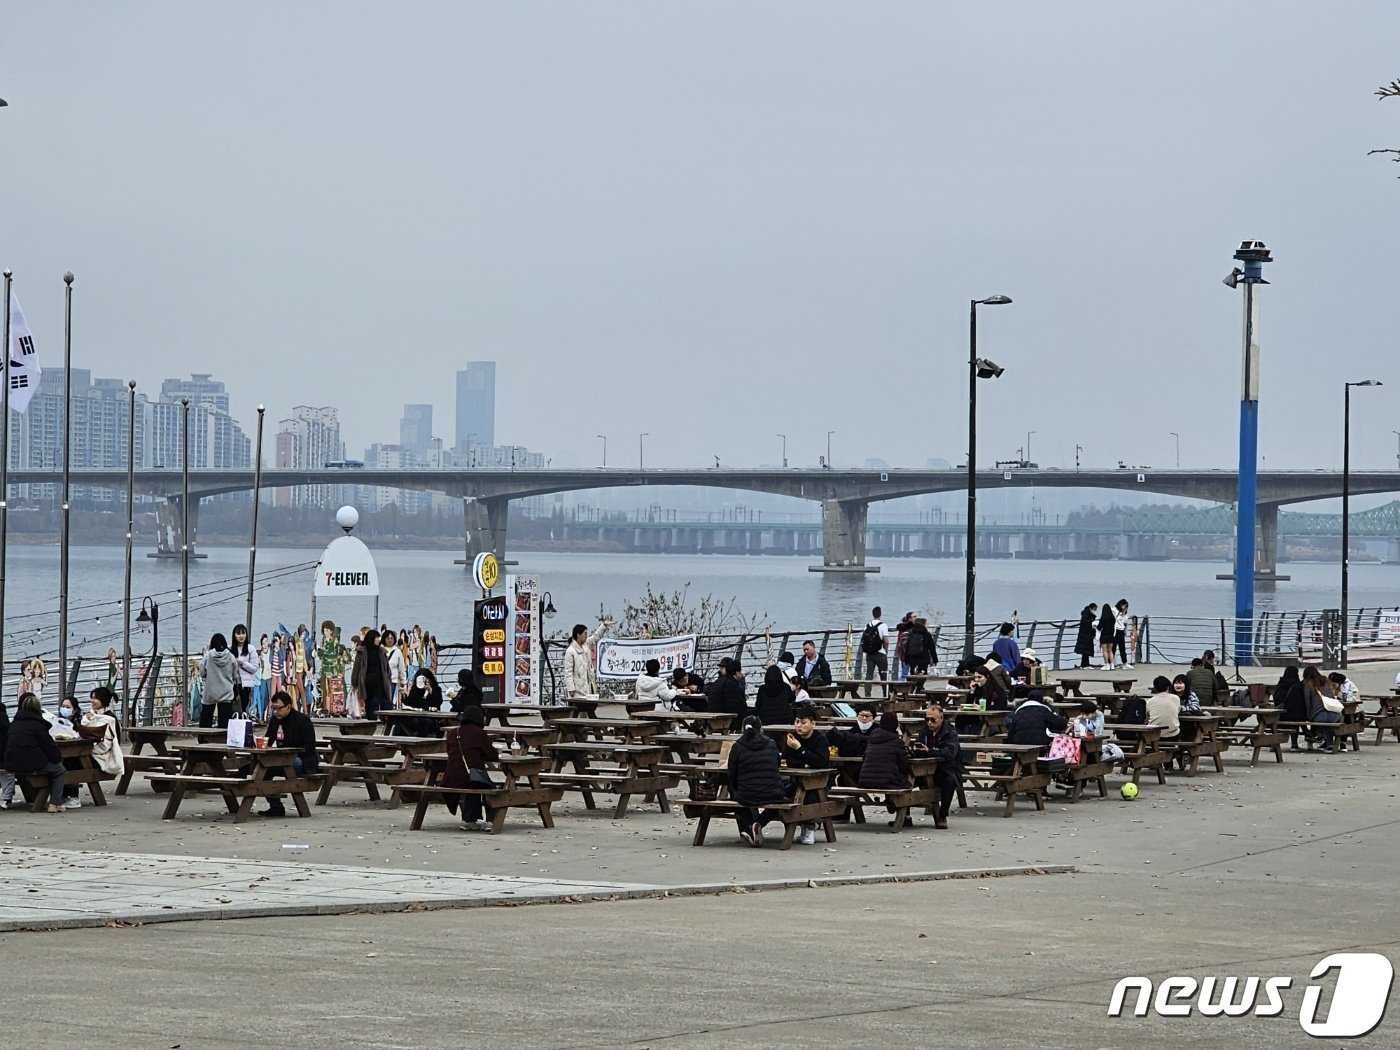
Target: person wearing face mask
x,y
851,743
64,726
426,695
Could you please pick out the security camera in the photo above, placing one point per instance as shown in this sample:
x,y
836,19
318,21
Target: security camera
x,y
988,369
1232,279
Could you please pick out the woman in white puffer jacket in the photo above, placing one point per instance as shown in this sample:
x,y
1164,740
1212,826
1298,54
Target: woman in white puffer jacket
x,y
578,659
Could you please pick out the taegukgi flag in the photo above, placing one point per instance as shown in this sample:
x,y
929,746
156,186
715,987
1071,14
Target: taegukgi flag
x,y
24,362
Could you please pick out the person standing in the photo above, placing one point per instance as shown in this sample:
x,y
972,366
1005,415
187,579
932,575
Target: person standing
x,y
370,675
1106,632
919,651
7,779
1006,648
812,667
1084,643
875,645
247,660
578,659
393,660
1120,631
262,689
218,676
901,630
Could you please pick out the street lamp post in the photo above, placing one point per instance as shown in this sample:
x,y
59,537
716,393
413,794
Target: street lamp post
x,y
1077,449
977,368
784,437
1174,434
641,449
1028,444
1253,254
1346,508
1397,447
605,447
828,448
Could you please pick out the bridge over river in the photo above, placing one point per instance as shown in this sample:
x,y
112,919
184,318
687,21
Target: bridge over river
x,y
844,495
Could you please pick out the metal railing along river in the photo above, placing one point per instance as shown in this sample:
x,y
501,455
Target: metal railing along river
x,y
1279,637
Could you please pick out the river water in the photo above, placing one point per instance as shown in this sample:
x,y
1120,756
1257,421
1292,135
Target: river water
x,y
425,587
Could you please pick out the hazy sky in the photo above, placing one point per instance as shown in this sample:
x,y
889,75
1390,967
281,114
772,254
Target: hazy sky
x,y
718,222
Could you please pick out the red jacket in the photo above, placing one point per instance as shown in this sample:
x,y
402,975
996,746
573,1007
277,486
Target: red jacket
x,y
468,747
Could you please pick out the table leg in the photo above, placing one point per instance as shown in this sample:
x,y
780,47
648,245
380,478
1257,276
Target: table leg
x,y
241,810
546,817
125,780
664,801
172,805
299,800
701,826
620,810
95,790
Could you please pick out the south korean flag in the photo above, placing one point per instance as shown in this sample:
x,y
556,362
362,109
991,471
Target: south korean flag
x,y
23,370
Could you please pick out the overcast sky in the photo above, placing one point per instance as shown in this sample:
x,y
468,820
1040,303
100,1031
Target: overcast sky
x,y
718,222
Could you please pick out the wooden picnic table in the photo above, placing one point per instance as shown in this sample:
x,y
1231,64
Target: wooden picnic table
x,y
992,723
821,692
348,726
792,814
851,687
630,730
508,793
501,712
1142,749
530,737
79,768
160,759
588,705
1208,742
1385,717
636,771
1072,684
920,794
1262,735
1019,777
704,721
689,748
393,761
1348,730
396,719
239,774
1092,768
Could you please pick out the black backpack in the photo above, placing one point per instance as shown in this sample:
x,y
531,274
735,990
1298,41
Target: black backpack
x,y
870,638
1133,712
915,651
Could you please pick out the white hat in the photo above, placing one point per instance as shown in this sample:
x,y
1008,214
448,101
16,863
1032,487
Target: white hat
x,y
1029,655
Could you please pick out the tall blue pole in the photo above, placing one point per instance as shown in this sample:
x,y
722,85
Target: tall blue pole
x,y
1253,255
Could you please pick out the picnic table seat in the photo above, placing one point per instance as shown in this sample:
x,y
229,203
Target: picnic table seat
x,y
903,800
1386,716
1263,735
134,764
1342,732
239,791
981,772
522,787
792,814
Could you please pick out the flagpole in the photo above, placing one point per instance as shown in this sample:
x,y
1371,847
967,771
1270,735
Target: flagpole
x,y
253,547
4,472
67,463
128,705
185,553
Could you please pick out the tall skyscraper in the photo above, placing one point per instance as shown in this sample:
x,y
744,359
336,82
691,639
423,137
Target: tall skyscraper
x,y
476,404
416,429
308,440
201,388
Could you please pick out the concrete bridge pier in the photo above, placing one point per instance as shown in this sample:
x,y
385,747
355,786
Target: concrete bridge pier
x,y
170,524
1266,547
843,537
484,528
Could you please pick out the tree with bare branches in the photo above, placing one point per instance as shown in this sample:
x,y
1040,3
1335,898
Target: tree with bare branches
x,y
1391,90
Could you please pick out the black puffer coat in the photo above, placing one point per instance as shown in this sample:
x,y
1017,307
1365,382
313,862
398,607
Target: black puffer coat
x,y
886,763
753,771
773,704
30,747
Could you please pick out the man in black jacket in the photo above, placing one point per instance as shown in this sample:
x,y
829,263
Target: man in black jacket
x,y
940,740
288,727
805,748
1033,722
812,667
726,693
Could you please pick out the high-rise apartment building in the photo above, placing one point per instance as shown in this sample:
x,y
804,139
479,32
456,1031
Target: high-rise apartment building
x,y
476,404
201,388
416,429
308,440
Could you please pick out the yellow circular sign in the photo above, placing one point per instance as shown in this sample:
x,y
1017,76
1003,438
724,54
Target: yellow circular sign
x,y
488,571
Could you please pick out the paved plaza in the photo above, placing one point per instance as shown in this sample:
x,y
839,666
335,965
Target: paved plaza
x,y
998,931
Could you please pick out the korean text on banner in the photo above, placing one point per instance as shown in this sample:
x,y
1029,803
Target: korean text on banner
x,y
627,657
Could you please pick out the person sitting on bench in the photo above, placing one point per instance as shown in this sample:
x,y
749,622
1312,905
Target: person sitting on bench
x,y
805,748
939,739
288,727
468,748
30,749
886,763
754,780
1323,707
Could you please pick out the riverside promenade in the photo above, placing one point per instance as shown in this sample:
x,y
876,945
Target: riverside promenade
x,y
996,931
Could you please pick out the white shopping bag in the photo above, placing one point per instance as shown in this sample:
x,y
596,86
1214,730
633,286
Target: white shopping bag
x,y
240,732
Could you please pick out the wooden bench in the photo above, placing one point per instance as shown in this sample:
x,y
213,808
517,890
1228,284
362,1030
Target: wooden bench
x,y
79,768
1142,750
1072,685
239,792
1342,732
145,764
637,772
902,799
793,814
1092,768
1020,778
1208,743
523,786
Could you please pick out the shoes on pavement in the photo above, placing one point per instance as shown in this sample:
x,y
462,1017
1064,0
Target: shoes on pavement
x,y
55,809
941,823
748,838
471,825
1128,667
272,812
757,833
72,803
4,803
809,836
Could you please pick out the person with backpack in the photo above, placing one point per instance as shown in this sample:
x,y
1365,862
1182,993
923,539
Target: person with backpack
x,y
919,651
901,631
874,643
